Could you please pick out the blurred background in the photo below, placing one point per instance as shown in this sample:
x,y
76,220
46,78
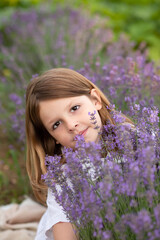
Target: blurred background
x,y
106,40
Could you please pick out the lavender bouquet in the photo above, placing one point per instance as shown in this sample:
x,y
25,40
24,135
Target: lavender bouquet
x,y
110,190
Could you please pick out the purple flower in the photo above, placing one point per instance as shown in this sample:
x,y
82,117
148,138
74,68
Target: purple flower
x,y
15,98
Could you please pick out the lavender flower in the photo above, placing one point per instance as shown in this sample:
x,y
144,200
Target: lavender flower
x,y
93,119
112,195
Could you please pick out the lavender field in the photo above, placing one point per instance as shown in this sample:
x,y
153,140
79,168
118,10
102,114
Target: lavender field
x,y
33,41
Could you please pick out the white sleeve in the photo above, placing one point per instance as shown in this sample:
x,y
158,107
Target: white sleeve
x,y
53,215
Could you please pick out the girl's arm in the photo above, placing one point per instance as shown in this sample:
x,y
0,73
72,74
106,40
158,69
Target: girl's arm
x,y
64,231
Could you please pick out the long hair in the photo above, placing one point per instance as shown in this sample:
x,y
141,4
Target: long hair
x,y
53,84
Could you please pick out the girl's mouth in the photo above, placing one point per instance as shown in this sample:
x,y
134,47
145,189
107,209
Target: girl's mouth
x,y
83,132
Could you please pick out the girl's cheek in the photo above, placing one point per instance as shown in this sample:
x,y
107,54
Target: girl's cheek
x,y
58,131
54,133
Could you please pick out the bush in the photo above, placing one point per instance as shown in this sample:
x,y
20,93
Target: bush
x,y
112,194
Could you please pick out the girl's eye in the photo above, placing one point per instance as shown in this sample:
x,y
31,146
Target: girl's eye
x,y
56,125
76,107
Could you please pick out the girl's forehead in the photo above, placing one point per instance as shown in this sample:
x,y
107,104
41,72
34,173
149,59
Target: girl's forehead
x,y
61,104
64,100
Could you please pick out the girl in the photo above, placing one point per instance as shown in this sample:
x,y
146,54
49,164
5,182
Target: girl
x,y
57,106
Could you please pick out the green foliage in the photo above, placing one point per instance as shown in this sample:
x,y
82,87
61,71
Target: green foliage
x,y
133,2
18,3
137,18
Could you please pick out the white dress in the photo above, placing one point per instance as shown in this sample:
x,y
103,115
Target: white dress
x,y
53,215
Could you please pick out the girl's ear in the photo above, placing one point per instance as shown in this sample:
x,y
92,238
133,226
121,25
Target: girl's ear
x,y
96,99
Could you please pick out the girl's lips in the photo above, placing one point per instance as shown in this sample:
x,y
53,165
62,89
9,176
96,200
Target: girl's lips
x,y
83,132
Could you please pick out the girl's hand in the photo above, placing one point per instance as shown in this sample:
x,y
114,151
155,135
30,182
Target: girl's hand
x,y
64,231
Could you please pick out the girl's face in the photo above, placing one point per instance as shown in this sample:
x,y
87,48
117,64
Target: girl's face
x,y
65,118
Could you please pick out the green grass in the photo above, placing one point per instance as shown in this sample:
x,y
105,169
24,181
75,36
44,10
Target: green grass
x,y
14,182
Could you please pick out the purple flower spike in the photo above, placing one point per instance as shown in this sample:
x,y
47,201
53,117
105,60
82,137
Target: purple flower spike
x,y
92,114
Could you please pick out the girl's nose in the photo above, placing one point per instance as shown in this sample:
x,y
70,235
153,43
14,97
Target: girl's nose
x,y
72,126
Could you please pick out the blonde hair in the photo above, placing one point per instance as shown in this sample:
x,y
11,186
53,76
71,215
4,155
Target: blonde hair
x,y
53,84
